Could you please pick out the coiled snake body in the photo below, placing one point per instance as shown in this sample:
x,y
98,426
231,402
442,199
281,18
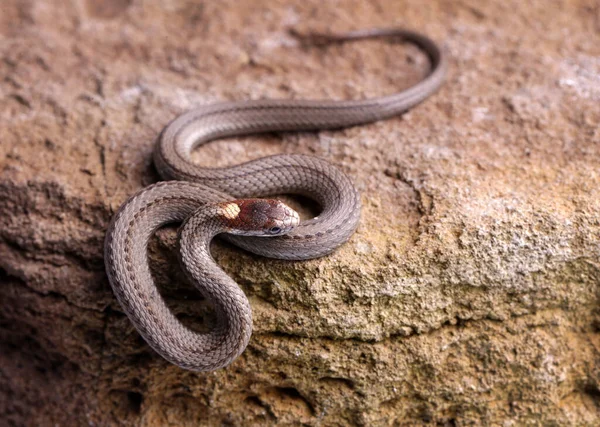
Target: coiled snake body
x,y
205,198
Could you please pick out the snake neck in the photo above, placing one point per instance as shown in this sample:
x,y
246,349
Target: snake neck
x,y
195,236
133,284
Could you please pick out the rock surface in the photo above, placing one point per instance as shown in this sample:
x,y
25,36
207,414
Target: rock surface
x,y
469,294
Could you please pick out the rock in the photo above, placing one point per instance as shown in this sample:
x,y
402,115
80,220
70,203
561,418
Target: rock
x,y
469,294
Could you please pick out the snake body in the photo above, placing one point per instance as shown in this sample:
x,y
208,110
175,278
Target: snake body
x,y
204,197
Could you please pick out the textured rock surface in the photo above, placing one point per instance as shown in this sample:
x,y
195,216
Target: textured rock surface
x,y
469,295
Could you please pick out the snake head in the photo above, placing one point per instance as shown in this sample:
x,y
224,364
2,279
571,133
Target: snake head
x,y
258,217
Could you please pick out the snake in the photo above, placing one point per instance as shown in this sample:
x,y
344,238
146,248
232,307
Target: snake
x,y
236,203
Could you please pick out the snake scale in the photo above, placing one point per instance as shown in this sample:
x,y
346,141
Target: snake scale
x,y
212,201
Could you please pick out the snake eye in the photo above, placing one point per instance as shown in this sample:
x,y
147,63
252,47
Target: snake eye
x,y
274,230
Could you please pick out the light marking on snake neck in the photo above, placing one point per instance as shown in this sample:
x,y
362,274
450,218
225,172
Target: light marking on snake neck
x,y
231,210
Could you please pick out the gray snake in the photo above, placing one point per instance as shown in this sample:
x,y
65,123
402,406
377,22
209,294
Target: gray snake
x,y
211,201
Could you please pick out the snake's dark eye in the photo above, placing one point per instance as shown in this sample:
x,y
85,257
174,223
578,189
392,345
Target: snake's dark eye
x,y
275,230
